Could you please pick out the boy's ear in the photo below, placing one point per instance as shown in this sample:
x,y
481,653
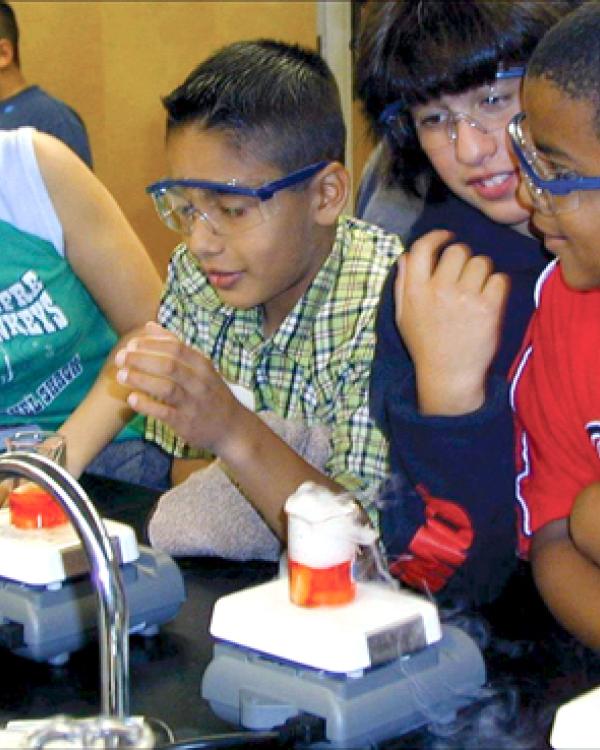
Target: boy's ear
x,y
332,190
7,53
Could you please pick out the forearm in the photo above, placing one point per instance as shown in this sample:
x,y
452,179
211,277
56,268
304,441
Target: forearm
x,y
101,415
569,583
458,529
181,468
435,450
441,395
98,418
267,470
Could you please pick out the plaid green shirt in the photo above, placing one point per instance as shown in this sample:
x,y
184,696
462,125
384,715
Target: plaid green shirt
x,y
316,366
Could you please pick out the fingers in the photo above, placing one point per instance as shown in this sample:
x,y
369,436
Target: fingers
x,y
453,263
163,389
475,272
154,329
496,289
160,341
163,356
160,367
424,254
434,258
169,361
151,407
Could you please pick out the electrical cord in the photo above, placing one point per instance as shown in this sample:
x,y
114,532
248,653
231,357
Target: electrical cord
x,y
304,728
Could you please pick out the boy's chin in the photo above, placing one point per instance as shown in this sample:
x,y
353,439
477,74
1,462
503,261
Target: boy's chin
x,y
580,279
231,300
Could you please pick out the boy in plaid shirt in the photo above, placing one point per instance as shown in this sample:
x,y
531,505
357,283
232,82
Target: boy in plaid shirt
x,y
271,290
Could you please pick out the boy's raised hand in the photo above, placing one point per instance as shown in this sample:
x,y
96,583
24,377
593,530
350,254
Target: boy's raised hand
x,y
178,385
449,308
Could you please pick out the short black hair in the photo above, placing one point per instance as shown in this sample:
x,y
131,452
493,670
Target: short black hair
x,y
9,28
569,57
413,51
279,100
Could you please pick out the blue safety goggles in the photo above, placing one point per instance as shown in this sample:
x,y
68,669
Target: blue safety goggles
x,y
529,162
391,112
225,207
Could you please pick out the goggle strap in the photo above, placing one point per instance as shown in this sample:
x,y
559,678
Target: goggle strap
x,y
267,191
264,192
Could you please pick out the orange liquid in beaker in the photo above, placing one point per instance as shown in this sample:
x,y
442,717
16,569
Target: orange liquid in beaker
x,y
313,587
31,507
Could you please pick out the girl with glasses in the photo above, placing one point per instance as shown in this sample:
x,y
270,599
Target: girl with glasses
x,y
440,81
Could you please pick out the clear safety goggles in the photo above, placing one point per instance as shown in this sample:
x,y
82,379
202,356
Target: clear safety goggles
x,y
490,112
225,207
551,192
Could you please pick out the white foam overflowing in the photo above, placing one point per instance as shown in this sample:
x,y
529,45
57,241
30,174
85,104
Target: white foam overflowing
x,y
323,528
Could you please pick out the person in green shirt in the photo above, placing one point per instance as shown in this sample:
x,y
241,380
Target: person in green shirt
x,y
74,279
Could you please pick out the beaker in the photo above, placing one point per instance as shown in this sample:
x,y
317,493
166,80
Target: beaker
x,y
321,546
30,506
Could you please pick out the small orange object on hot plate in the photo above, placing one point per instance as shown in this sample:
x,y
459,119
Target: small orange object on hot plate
x,y
31,507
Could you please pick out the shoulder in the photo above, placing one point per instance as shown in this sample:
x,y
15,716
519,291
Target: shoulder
x,y
45,101
16,147
366,254
60,167
564,328
53,116
510,250
548,283
364,244
48,148
570,317
388,206
22,175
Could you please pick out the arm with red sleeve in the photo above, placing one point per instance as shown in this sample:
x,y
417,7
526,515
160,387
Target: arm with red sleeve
x,y
556,397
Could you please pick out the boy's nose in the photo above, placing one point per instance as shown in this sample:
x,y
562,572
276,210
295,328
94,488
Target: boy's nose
x,y
203,241
472,145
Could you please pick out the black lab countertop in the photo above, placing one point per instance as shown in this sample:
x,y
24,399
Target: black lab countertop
x,y
533,666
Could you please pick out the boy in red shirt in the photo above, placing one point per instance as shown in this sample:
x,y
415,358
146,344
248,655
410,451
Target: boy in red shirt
x,y
556,377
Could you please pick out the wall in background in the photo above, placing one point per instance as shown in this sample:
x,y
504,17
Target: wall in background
x,y
112,61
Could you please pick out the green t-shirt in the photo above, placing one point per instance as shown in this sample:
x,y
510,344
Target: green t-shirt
x,y
53,337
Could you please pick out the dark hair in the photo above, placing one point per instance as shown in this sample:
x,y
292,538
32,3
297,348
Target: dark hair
x,y
280,100
569,56
413,51
9,28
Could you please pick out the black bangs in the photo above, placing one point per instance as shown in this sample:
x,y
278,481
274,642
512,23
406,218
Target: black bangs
x,y
451,51
414,51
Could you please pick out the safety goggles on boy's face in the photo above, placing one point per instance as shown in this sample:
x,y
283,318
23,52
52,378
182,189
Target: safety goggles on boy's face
x,y
553,190
491,107
227,208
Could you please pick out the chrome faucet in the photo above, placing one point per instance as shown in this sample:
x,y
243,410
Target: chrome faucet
x,y
113,616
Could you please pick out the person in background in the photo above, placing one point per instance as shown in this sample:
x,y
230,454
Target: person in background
x,y
23,104
271,289
556,385
74,278
440,82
